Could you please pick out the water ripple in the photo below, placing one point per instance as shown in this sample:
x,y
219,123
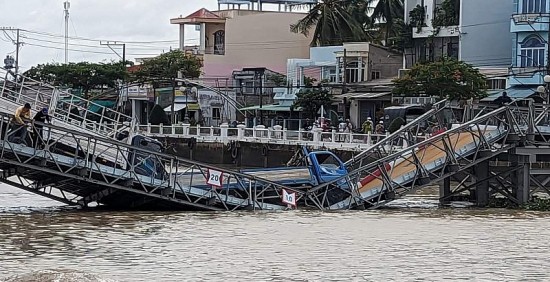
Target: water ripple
x,y
387,245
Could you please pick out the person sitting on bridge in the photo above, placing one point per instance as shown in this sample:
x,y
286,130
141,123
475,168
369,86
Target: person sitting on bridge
x,y
21,117
41,117
503,100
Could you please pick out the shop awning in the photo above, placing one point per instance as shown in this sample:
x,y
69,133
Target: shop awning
x,y
363,95
514,93
177,107
98,104
271,108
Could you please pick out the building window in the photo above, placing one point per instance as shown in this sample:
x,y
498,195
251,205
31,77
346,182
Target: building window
x,y
375,75
216,113
496,84
532,52
355,72
533,6
248,87
219,42
330,74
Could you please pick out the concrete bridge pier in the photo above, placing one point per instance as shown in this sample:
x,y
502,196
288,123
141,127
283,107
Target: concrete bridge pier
x,y
482,191
520,178
445,191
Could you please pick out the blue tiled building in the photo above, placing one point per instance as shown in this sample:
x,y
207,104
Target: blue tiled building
x,y
530,27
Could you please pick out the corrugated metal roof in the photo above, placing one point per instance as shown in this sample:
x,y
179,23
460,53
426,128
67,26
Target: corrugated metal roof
x,y
514,93
362,95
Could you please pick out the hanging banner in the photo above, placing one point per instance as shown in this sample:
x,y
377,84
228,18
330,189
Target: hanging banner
x,y
289,198
214,178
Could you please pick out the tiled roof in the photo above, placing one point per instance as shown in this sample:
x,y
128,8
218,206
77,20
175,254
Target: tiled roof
x,y
202,14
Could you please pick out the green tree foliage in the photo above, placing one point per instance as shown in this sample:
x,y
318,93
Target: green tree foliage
x,y
387,12
278,80
158,116
443,78
165,69
311,100
84,75
332,22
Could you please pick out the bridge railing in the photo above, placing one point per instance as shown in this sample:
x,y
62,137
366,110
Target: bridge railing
x,y
63,106
415,131
275,135
136,169
489,133
413,167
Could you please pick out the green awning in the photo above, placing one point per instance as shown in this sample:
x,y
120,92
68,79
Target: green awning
x,y
97,104
271,108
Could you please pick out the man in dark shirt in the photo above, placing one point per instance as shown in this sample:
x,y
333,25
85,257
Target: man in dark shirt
x,y
43,117
504,99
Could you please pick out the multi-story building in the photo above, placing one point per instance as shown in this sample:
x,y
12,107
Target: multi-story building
x,y
235,39
366,69
530,28
363,62
474,31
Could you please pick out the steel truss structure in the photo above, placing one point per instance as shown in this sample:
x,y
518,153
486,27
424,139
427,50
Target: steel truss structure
x,y
64,107
111,173
380,175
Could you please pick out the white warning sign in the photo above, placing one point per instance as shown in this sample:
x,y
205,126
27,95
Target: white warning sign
x,y
215,178
289,198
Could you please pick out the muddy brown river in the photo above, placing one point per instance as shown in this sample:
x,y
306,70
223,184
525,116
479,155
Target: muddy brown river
x,y
42,241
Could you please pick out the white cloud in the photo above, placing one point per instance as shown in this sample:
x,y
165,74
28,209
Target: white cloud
x,y
120,20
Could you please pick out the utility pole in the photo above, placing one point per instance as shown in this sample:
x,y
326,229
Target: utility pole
x,y
123,57
344,83
17,44
17,52
116,44
66,6
261,97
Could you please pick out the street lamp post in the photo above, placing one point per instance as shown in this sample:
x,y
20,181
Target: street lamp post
x,y
545,90
185,91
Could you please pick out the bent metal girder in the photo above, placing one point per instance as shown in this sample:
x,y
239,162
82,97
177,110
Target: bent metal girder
x,y
64,107
410,133
98,169
431,160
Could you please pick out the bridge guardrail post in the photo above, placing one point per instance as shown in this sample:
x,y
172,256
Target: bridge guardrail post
x,y
224,128
198,130
285,134
278,131
317,135
185,127
240,131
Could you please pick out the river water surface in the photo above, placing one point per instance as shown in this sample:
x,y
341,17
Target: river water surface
x,y
419,244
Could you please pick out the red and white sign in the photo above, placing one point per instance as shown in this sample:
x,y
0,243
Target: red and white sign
x,y
215,178
289,198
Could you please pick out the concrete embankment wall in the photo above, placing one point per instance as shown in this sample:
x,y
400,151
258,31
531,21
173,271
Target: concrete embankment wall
x,y
243,154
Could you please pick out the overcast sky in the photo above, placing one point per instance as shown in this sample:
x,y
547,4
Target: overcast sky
x,y
143,21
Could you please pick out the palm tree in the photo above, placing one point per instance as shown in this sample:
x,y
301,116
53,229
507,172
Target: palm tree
x,y
335,22
388,11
